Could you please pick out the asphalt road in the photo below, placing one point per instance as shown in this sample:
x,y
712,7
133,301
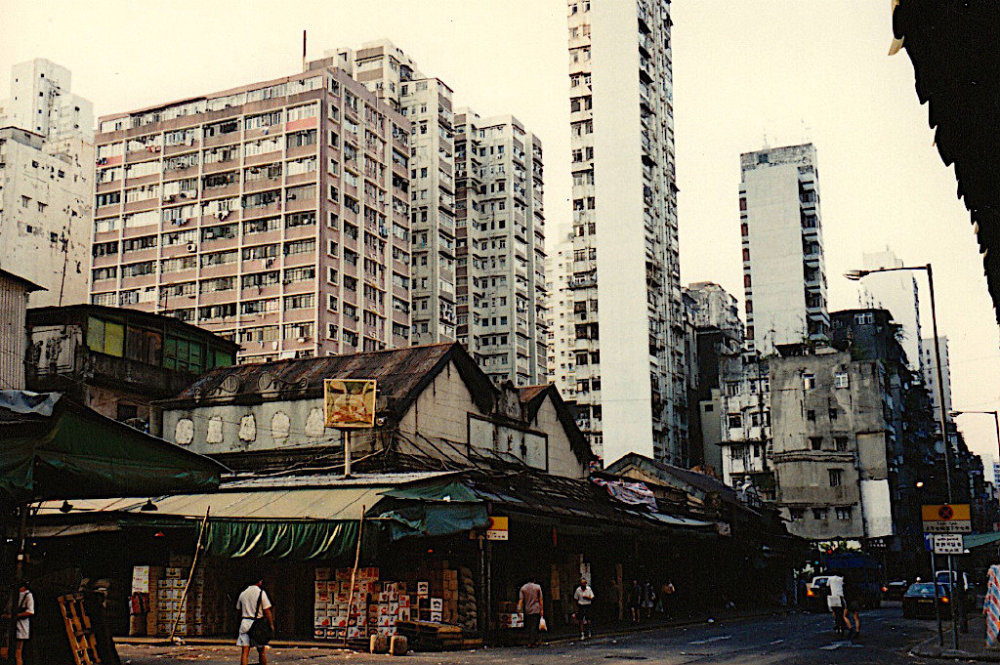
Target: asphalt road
x,y
787,639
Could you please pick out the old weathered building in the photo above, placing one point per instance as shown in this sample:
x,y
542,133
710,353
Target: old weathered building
x,y
116,361
14,292
433,402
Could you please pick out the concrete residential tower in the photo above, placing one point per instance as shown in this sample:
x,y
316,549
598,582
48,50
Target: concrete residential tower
x,y
426,102
476,213
274,214
898,293
625,274
784,277
46,183
501,247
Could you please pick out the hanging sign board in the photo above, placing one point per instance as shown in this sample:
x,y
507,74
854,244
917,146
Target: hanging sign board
x,y
349,403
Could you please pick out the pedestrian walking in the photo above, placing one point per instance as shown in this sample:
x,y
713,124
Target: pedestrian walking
x,y
667,598
22,615
635,601
648,599
835,602
584,599
852,608
254,606
531,603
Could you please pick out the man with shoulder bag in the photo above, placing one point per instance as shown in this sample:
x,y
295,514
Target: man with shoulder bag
x,y
256,622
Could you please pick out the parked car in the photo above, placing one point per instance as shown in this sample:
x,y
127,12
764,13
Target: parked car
x,y
816,593
918,601
895,590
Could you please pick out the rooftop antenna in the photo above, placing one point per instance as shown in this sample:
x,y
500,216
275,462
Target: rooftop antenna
x,y
766,146
303,50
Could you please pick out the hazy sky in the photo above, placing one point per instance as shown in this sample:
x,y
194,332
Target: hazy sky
x,y
789,70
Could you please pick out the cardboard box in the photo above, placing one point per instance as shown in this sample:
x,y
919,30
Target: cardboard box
x,y
319,633
423,589
437,604
404,614
173,572
323,574
435,616
404,601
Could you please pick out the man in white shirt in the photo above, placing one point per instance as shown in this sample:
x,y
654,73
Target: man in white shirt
x,y
252,604
584,598
835,602
22,630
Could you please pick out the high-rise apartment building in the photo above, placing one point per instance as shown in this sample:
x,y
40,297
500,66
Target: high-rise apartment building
x,y
897,292
46,185
275,214
500,225
477,218
427,104
629,372
784,277
41,102
928,370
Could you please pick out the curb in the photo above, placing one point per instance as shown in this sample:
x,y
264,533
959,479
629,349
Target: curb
x,y
920,651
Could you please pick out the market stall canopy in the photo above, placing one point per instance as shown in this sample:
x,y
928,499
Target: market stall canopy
x,y
978,539
54,448
292,517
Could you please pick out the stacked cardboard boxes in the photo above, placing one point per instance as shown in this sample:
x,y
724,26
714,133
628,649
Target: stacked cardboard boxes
x,y
145,581
335,614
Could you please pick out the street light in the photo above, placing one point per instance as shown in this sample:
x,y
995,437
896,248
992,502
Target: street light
x,y
996,421
857,275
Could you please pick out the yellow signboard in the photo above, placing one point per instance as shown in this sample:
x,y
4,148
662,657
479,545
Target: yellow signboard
x,y
498,528
349,403
946,512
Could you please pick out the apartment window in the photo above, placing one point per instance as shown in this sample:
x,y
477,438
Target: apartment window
x,y
797,514
735,420
819,513
809,381
836,477
841,380
833,414
816,443
811,416
840,443
843,512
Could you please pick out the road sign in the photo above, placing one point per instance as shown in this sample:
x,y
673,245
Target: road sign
x,y
945,518
948,543
929,542
498,528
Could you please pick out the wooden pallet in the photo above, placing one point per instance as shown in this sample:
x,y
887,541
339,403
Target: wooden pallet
x,y
431,636
79,630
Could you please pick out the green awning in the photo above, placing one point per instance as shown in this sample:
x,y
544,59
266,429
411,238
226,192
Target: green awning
x,y
426,519
282,540
978,539
53,448
444,490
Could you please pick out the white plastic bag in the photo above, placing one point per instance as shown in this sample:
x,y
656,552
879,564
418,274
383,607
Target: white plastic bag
x,y
542,626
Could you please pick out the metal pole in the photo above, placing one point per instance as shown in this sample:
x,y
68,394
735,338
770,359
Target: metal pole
x,y
354,574
937,604
347,453
944,440
996,421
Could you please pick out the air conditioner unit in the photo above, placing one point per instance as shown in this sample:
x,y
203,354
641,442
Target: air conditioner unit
x,y
192,247
302,339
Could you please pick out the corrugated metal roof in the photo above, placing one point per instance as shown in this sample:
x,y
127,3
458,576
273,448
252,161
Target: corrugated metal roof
x,y
401,375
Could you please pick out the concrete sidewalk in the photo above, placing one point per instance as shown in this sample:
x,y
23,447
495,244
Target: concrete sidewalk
x,y
972,645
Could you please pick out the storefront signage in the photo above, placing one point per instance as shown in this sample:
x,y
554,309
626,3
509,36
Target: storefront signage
x,y
349,403
498,529
947,518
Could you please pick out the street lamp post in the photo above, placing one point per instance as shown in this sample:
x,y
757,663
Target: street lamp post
x,y
996,421
857,275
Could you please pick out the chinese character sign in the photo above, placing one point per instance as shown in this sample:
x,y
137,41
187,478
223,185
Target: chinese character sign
x,y
349,403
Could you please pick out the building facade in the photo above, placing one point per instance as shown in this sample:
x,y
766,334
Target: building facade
x,y
41,102
929,370
500,227
896,292
116,361
784,276
275,215
625,267
14,293
427,103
